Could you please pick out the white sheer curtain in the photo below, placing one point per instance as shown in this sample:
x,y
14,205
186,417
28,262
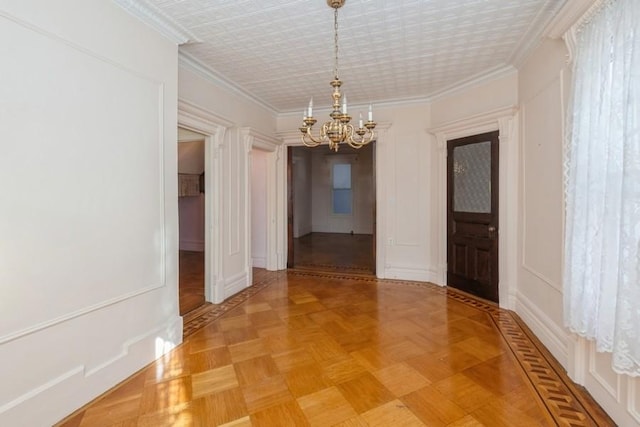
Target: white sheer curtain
x,y
602,241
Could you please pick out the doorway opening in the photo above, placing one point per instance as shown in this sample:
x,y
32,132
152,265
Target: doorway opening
x,y
472,214
331,209
191,215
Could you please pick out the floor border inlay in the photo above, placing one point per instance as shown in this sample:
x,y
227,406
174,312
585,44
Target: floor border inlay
x,y
545,374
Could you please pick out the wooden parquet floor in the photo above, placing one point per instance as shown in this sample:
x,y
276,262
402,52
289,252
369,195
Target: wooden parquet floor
x,y
191,281
335,252
302,348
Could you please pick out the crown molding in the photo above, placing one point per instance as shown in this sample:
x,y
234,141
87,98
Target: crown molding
x,y
478,79
533,36
189,62
189,110
158,20
570,14
487,76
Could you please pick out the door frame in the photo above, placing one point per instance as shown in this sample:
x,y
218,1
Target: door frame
x,y
194,118
292,139
504,121
489,219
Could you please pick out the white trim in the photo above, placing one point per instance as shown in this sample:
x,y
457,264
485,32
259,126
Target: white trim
x,y
492,74
572,13
613,391
78,370
191,63
407,273
235,284
257,140
633,397
171,328
192,117
533,36
552,336
158,20
78,313
505,121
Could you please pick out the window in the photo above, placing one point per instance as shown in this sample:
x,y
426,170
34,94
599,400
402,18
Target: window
x,y
341,189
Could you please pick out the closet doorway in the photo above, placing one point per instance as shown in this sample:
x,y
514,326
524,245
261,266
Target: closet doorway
x,y
191,214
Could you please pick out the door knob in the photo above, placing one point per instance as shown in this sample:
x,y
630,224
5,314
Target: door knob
x,y
492,229
492,232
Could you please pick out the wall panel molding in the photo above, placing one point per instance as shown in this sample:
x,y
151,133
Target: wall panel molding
x,y
136,351
75,314
612,389
633,397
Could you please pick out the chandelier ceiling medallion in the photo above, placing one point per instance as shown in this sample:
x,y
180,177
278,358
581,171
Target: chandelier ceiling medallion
x,y
338,129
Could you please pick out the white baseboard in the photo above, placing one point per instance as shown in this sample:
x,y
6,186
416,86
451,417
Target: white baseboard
x,y
554,337
192,245
64,392
235,284
259,262
416,274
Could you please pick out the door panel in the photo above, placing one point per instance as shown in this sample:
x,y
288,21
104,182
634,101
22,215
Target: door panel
x,y
472,214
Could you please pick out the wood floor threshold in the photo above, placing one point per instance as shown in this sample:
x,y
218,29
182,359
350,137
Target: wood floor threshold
x,y
567,403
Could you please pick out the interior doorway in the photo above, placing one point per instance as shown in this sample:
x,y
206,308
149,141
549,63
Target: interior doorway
x,y
191,215
331,209
472,214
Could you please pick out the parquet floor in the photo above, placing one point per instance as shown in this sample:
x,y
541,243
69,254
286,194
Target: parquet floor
x,y
191,281
338,252
319,349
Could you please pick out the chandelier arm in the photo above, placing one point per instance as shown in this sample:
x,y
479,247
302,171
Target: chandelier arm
x,y
365,139
309,140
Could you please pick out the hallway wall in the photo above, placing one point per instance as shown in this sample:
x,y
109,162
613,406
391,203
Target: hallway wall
x,y
322,218
88,291
229,156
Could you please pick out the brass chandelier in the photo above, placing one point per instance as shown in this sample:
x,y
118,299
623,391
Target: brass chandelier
x,y
338,129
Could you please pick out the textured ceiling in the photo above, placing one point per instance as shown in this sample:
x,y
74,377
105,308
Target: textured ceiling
x,y
281,51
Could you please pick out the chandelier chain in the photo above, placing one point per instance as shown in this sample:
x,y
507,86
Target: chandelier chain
x,y
335,47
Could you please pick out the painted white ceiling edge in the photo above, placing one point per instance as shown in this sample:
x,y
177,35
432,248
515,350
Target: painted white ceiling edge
x,y
567,15
158,20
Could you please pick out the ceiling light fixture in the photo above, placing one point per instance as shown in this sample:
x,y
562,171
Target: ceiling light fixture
x,y
338,129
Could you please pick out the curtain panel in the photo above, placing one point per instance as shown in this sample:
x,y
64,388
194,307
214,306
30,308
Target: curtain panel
x,y
602,240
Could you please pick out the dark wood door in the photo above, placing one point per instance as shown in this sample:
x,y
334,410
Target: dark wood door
x,y
290,195
472,214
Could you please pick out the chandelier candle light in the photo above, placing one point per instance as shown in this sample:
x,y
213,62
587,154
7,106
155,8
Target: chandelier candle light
x,y
338,129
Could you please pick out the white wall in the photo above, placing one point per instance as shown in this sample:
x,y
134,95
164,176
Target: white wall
x,y
302,179
323,219
88,268
191,215
544,87
259,195
191,208
224,102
